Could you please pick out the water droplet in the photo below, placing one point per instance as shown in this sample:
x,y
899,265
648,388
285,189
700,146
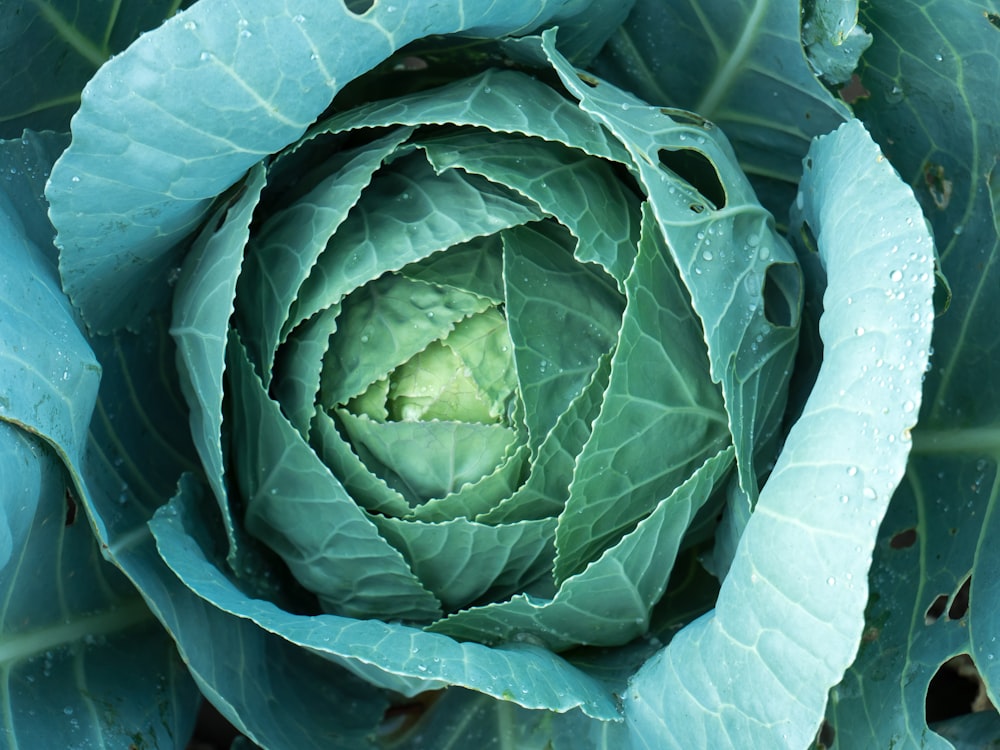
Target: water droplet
x,y
844,498
753,239
894,95
896,276
859,331
764,253
74,178
364,338
852,471
938,57
869,493
909,406
205,56
707,255
190,25
68,710
831,581
298,18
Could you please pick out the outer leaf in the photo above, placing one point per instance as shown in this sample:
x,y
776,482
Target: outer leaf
x,y
58,44
393,656
72,629
739,271
202,308
931,72
786,629
176,119
751,79
81,660
139,444
49,373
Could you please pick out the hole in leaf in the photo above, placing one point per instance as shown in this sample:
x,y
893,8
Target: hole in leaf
x,y
782,294
904,539
808,238
70,508
694,167
993,18
937,608
960,601
359,7
827,735
955,690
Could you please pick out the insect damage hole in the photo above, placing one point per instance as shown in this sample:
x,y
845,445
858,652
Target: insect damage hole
x,y
697,170
956,689
359,7
782,294
70,508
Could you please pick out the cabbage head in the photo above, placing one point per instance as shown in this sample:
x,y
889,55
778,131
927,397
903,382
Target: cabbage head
x,y
423,406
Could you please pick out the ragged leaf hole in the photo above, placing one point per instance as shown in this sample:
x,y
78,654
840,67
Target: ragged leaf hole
x,y
827,735
953,606
937,608
904,539
955,690
697,170
993,18
782,294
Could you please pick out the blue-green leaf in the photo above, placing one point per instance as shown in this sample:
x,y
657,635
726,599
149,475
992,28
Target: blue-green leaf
x,y
81,659
752,80
58,44
400,658
789,617
739,271
178,117
933,111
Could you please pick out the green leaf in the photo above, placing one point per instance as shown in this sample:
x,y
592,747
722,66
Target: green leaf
x,y
931,110
140,444
424,460
544,492
384,324
49,372
189,107
789,616
662,416
81,658
499,101
833,38
58,44
203,305
582,193
462,561
562,315
296,506
752,80
285,248
394,656
608,603
740,273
